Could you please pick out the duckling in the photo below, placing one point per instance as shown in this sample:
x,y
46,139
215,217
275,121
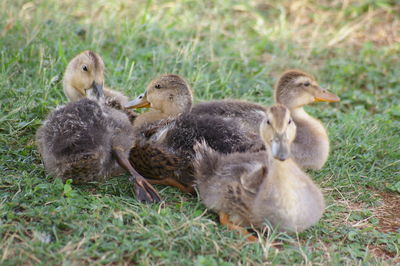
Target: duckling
x,y
165,135
246,189
85,140
81,68
294,89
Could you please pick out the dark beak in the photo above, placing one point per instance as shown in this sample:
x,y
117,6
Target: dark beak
x,y
280,150
98,89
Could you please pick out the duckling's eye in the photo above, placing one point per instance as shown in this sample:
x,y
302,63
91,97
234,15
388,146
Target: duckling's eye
x,y
157,86
269,123
290,121
84,68
307,83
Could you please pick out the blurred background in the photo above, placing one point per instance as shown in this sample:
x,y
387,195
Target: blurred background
x,y
224,48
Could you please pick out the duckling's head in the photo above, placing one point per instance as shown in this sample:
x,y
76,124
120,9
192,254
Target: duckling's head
x,y
278,131
169,94
296,89
84,76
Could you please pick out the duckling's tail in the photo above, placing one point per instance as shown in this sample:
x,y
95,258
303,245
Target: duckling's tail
x,y
205,162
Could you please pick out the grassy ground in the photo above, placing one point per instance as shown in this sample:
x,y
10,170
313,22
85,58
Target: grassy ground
x,y
230,49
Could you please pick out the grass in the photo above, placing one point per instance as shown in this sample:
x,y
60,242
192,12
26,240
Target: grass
x,y
225,49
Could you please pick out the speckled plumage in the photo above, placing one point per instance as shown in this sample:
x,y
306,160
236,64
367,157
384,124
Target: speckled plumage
x,y
89,139
158,155
76,141
253,187
166,134
247,114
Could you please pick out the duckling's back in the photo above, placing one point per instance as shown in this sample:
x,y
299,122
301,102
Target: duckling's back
x,y
74,142
246,113
225,135
164,149
229,183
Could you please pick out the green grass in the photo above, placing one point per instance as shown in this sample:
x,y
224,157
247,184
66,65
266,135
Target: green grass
x,y
225,49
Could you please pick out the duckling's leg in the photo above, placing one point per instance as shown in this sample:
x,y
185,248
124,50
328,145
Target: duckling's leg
x,y
224,219
143,190
171,182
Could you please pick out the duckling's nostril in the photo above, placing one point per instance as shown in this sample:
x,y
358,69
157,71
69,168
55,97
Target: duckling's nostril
x,y
282,157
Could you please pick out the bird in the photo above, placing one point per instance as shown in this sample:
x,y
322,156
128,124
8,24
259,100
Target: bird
x,y
82,68
165,135
295,89
249,188
86,140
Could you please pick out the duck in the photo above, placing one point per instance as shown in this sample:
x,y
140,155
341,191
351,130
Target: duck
x,y
164,136
82,67
295,89
86,140
249,188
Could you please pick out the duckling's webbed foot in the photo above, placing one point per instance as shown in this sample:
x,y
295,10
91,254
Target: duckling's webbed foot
x,y
143,190
224,219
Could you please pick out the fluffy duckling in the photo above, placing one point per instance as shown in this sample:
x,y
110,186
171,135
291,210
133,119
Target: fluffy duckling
x,y
82,68
165,135
85,140
294,89
246,189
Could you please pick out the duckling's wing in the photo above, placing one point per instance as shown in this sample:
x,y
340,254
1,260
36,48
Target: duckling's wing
x,y
252,179
76,128
155,161
248,114
74,141
221,134
116,103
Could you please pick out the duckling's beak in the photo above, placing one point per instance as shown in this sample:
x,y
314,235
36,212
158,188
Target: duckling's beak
x,y
98,89
326,96
139,102
280,149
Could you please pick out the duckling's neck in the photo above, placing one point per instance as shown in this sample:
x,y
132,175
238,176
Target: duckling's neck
x,y
72,93
310,148
179,105
299,113
279,189
151,116
294,202
304,120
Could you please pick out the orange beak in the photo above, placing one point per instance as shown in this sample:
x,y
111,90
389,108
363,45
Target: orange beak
x,y
326,96
139,102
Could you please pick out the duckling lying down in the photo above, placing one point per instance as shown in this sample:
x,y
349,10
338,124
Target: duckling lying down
x,y
87,141
165,135
246,189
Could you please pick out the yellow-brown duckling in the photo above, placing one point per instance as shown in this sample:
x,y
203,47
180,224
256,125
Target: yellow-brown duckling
x,y
250,188
165,135
81,70
85,140
294,89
